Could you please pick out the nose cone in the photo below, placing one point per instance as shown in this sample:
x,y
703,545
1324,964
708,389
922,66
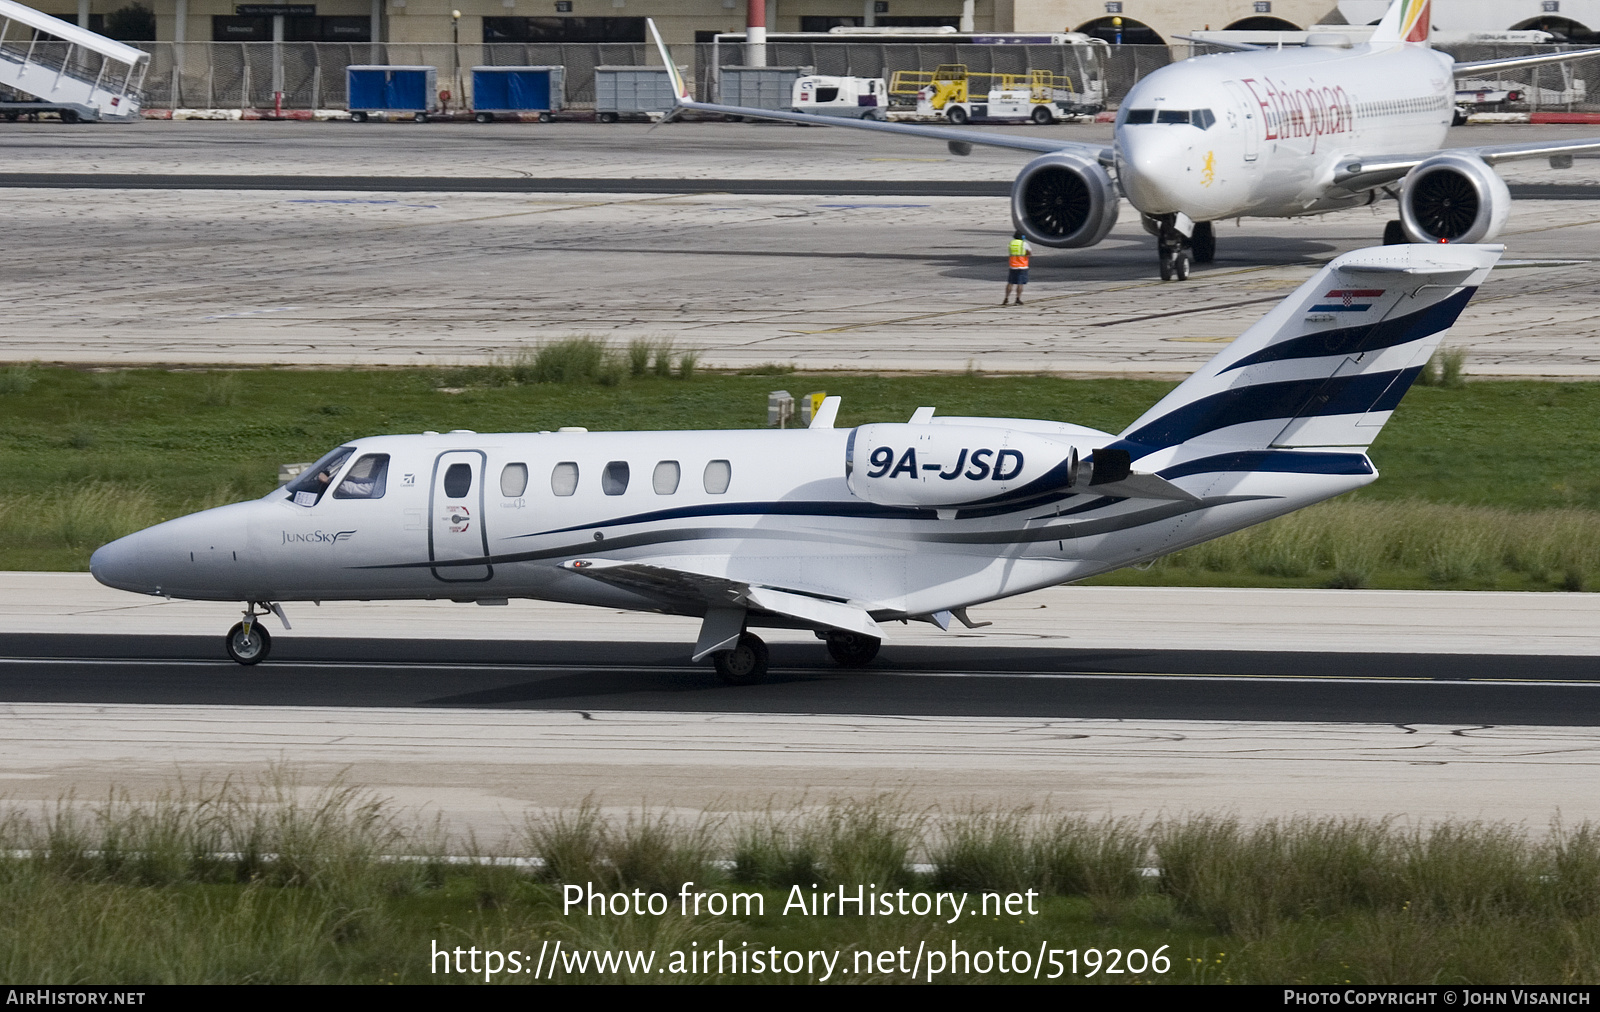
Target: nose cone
x,y
128,563
1151,164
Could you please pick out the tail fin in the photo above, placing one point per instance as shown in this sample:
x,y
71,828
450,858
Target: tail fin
x,y
1327,366
680,87
1406,21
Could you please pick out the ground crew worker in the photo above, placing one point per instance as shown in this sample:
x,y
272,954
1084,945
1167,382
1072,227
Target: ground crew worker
x,y
1018,276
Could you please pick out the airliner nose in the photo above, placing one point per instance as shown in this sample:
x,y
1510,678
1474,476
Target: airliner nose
x,y
1148,157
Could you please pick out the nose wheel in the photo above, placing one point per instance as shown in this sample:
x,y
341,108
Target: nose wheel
x,y
248,642
1175,263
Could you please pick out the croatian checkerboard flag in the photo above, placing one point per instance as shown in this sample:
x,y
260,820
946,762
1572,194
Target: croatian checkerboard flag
x,y
1349,300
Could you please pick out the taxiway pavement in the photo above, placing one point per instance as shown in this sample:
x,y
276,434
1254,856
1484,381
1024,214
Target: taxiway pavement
x,y
878,282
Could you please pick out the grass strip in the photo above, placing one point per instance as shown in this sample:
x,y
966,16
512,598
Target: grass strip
x,y
279,881
1479,488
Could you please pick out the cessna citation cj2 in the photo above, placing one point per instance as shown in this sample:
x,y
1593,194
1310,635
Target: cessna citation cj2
x,y
833,530
1266,133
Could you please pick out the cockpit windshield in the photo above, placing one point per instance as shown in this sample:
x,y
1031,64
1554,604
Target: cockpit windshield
x,y
307,489
1201,118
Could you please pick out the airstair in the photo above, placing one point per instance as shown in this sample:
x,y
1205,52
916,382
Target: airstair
x,y
68,70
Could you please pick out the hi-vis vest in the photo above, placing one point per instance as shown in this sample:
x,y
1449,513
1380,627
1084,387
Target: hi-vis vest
x,y
1019,254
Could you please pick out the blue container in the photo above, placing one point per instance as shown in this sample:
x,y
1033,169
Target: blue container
x,y
517,89
391,88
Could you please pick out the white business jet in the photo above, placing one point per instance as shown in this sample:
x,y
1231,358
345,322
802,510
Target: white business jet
x,y
833,530
1265,133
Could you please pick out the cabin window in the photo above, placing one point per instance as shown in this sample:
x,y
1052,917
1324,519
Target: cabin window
x,y
513,480
564,479
1138,116
457,481
307,489
665,480
365,479
1202,118
614,479
1173,116
718,474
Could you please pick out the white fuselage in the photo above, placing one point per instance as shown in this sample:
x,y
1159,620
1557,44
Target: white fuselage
x,y
786,519
1282,121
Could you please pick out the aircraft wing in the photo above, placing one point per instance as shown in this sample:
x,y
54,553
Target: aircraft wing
x,y
956,138
1364,174
662,579
1516,62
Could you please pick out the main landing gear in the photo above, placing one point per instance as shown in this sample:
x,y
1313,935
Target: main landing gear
x,y
852,650
248,642
745,663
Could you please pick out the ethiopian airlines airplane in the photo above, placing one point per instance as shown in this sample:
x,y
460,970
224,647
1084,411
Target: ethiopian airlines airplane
x,y
834,530
1262,133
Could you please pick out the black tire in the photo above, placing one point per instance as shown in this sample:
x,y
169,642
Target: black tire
x,y
11,117
733,119
358,117
956,114
1041,116
1180,265
484,117
545,117
608,117
248,650
68,116
745,664
420,117
852,650
1459,118
1166,265
1394,234
1203,242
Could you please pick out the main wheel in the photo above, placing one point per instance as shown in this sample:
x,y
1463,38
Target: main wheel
x,y
745,664
251,648
852,650
1203,242
956,114
1394,234
1041,115
484,117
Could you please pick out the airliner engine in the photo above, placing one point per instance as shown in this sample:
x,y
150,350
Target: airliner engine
x,y
1063,199
896,464
1453,196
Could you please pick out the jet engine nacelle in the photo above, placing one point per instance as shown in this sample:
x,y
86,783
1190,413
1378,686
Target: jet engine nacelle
x,y
1062,199
1453,196
896,464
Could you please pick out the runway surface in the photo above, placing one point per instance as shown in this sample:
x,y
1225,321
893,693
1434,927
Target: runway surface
x,y
881,265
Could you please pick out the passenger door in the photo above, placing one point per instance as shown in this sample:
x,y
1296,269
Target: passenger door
x,y
456,506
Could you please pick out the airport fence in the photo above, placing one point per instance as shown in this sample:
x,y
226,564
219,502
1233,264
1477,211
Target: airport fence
x,y
311,75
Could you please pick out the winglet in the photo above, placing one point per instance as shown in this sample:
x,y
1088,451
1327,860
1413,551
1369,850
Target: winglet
x,y
680,88
827,414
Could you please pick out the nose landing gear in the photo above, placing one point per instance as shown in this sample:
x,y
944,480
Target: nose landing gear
x,y
1181,243
248,642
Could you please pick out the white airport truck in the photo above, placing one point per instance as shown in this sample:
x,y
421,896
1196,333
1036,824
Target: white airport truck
x,y
855,97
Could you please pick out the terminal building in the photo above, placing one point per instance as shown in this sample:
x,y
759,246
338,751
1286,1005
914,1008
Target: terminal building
x,y
1128,22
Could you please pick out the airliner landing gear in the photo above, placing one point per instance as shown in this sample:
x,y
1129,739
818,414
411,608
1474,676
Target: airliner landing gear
x,y
745,664
852,650
248,642
1203,242
1174,245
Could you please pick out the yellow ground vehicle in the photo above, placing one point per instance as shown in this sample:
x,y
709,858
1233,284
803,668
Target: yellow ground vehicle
x,y
961,95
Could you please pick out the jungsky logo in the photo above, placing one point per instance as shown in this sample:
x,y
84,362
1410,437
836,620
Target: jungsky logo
x,y
317,537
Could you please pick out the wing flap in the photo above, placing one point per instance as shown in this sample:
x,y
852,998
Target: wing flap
x,y
721,594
